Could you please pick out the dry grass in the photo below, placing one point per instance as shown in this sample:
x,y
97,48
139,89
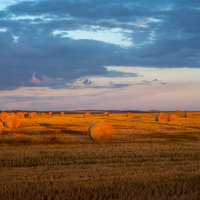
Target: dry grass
x,y
53,158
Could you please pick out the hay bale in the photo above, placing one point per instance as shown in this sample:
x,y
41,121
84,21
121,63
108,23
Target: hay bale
x,y
13,121
43,115
172,118
62,114
1,127
33,115
106,114
179,113
21,115
87,114
188,115
101,130
3,116
161,117
50,113
129,114
12,113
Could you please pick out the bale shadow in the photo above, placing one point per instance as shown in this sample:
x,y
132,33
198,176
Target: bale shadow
x,y
45,124
73,132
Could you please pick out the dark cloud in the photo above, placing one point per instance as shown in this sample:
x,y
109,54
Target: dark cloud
x,y
165,34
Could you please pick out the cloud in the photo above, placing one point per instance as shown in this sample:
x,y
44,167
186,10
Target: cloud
x,y
3,30
89,35
114,36
181,89
34,80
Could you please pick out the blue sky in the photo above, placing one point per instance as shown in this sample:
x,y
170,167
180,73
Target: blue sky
x,y
67,54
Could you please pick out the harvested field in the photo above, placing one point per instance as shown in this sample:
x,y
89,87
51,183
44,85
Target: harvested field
x,y
54,158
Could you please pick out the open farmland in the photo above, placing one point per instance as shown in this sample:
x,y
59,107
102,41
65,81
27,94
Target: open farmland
x,y
53,157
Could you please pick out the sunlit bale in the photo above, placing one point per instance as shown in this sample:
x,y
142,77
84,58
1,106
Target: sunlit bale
x,y
87,114
33,115
43,115
129,114
12,113
13,121
179,113
3,116
62,114
50,114
21,115
161,117
1,127
106,114
100,131
172,118
188,115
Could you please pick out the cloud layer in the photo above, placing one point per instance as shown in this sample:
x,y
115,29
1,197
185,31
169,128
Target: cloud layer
x,y
74,44
65,40
149,88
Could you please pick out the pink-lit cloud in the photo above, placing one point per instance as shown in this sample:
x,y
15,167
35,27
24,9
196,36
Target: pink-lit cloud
x,y
34,80
181,91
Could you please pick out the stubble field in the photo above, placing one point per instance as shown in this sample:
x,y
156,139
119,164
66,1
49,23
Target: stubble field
x,y
54,158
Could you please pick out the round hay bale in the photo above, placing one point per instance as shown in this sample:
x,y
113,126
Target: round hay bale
x,y
43,115
13,121
33,115
129,114
188,115
1,127
21,115
3,116
161,117
106,114
101,130
50,113
62,114
87,114
172,118
179,113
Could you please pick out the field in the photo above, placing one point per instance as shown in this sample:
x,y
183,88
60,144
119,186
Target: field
x,y
54,158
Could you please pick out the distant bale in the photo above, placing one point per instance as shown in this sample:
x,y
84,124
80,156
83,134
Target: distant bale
x,y
129,114
179,113
87,114
172,118
21,115
43,115
161,117
50,113
33,115
13,121
188,115
1,127
3,116
62,114
100,131
12,113
106,114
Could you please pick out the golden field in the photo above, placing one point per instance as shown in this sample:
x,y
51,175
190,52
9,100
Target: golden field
x,y
53,158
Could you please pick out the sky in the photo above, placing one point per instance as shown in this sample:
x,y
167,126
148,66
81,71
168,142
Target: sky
x,y
99,54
